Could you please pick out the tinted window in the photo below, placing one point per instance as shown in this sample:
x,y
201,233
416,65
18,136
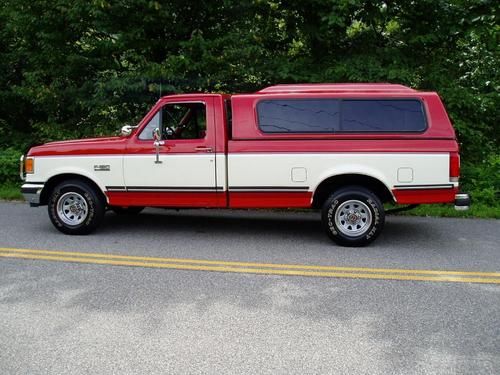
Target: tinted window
x,y
382,116
323,116
298,116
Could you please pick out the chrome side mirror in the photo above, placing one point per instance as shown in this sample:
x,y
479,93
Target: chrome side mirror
x,y
156,135
127,130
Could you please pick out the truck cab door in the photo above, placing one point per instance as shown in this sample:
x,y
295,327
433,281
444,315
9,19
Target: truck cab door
x,y
177,169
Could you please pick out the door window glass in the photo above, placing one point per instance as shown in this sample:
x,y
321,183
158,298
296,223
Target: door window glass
x,y
147,132
178,121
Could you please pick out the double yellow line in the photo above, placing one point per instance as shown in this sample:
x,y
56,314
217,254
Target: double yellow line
x,y
254,268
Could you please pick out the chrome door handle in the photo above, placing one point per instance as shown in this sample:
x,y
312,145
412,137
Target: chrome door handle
x,y
203,148
157,144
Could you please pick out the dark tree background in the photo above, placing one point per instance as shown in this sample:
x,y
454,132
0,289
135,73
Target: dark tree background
x,y
85,67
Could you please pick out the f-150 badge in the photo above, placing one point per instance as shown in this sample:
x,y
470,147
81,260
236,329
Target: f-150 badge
x,y
102,168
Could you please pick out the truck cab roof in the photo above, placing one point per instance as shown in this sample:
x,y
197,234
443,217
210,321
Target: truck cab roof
x,y
335,87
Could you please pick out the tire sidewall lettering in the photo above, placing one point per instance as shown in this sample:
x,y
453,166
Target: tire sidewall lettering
x,y
376,218
91,207
53,203
331,214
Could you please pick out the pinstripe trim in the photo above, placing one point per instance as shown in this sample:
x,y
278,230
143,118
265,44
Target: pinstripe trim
x,y
207,189
269,188
163,188
407,187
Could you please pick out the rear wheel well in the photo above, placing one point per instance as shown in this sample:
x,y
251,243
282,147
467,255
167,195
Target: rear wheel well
x,y
56,180
328,186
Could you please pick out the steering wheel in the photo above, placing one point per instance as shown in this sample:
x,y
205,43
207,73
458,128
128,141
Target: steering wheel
x,y
170,133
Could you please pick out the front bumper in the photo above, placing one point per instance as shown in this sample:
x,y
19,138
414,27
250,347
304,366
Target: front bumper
x,y
462,202
31,193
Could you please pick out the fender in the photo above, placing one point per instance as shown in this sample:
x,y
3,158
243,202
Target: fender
x,y
79,172
353,169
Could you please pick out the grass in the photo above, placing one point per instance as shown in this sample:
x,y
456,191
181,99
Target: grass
x,y
10,192
478,210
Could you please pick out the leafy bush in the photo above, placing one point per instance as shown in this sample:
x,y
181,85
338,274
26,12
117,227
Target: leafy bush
x,y
85,69
9,166
482,180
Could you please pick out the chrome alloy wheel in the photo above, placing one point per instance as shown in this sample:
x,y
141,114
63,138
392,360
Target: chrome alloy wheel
x,y
353,218
72,208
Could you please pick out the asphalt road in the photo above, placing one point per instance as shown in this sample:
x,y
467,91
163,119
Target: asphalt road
x,y
62,317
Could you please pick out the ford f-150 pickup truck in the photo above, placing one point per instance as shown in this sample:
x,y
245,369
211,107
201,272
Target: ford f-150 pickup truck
x,y
343,148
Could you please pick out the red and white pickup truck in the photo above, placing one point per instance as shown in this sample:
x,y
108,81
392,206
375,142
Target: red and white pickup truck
x,y
343,148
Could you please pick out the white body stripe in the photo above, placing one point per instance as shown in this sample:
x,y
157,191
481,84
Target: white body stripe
x,y
50,166
246,170
221,171
275,169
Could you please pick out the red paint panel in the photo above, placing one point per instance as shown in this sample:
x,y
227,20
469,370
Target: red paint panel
x,y
454,164
176,146
221,127
247,137
423,196
167,199
81,147
132,145
270,199
245,115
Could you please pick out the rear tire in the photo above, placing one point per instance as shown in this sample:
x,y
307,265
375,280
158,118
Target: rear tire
x,y
353,216
75,207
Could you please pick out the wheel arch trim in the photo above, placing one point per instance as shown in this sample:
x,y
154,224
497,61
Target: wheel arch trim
x,y
60,176
359,177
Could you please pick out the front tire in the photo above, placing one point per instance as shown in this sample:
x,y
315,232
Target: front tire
x,y
75,207
353,216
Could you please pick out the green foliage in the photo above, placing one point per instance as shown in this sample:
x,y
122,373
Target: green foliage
x,y
10,192
441,210
482,180
81,68
9,166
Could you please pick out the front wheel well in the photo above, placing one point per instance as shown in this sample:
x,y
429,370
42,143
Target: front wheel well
x,y
331,184
56,180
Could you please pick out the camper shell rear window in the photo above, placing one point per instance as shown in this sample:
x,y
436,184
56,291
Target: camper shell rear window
x,y
341,116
